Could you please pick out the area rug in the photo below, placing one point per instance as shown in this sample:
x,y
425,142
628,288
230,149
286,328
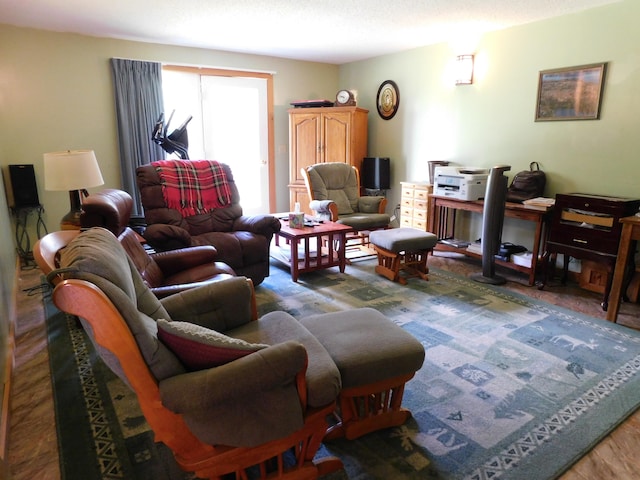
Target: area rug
x,y
511,387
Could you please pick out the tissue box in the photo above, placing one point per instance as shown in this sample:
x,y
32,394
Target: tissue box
x,y
296,220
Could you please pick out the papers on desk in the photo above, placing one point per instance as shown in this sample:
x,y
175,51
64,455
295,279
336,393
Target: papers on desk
x,y
539,203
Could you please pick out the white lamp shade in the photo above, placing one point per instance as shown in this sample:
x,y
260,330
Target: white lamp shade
x,y
71,170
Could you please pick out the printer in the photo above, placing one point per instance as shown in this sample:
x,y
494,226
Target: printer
x,y
461,183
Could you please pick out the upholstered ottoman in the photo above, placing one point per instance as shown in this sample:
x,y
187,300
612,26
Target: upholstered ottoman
x,y
402,249
375,358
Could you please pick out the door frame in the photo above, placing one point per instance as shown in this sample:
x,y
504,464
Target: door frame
x,y
221,72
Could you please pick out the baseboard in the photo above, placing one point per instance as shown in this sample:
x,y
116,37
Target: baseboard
x,y
10,348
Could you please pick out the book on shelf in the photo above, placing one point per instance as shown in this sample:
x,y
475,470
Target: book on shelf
x,y
454,242
475,247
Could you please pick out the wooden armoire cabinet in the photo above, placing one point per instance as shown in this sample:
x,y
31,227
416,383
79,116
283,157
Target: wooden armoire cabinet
x,y
321,135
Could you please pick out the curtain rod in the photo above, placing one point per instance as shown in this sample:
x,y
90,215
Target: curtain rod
x,y
192,65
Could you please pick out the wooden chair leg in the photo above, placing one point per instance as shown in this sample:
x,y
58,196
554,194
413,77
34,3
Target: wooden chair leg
x,y
415,264
388,264
369,408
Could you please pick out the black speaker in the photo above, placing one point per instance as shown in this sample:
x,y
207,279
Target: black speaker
x,y
376,173
23,185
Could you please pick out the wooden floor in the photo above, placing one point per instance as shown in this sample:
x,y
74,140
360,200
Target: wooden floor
x,y
33,452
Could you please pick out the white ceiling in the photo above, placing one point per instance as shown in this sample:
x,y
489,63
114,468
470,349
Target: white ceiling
x,y
331,31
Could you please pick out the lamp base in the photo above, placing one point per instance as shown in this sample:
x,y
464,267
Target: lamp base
x,y
71,221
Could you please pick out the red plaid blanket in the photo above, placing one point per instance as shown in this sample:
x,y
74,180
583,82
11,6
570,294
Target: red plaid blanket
x,y
193,186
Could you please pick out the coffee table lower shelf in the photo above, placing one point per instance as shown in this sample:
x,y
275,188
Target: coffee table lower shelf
x,y
310,249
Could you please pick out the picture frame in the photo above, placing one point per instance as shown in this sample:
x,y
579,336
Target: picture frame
x,y
571,93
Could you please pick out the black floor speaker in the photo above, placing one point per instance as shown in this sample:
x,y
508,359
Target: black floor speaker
x,y
24,190
376,173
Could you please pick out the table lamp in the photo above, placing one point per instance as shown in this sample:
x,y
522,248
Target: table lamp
x,y
72,171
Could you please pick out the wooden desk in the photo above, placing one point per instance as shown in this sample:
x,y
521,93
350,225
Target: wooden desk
x,y
442,223
630,234
328,251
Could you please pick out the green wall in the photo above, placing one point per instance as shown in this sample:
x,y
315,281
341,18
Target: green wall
x,y
492,121
56,94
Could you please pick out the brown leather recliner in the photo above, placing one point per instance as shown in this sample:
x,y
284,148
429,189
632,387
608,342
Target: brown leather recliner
x,y
242,241
165,273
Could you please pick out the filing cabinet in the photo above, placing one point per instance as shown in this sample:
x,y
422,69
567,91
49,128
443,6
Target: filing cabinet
x,y
414,204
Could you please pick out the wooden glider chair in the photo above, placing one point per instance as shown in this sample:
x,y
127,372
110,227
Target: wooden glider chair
x,y
334,191
224,391
166,273
46,251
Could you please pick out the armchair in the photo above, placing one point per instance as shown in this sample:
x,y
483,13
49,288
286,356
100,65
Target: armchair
x,y
165,273
217,421
334,190
189,203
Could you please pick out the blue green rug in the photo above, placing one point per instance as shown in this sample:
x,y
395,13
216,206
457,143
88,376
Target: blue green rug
x,y
511,388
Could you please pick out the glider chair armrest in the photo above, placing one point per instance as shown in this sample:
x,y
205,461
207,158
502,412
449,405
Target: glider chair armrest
x,y
372,204
325,208
245,403
167,237
247,377
219,306
174,261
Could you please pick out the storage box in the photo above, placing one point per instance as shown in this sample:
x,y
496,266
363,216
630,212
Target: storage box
x,y
523,259
593,276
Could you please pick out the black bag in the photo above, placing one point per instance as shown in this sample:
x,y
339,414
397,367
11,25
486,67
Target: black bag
x,y
527,184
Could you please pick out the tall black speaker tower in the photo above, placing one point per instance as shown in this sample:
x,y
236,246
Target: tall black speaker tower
x,y
492,219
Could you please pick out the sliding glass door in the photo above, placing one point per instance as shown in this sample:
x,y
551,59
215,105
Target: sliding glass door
x,y
230,124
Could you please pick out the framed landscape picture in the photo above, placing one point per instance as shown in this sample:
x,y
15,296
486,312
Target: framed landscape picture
x,y
572,93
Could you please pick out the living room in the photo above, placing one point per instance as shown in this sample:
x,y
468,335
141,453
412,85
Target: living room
x,y
57,95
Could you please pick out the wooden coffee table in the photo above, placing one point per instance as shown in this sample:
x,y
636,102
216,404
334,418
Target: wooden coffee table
x,y
311,248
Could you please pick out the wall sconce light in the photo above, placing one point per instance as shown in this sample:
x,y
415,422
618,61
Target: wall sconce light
x,y
72,171
464,69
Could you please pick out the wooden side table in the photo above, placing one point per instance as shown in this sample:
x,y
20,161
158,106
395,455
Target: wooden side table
x,y
630,234
441,223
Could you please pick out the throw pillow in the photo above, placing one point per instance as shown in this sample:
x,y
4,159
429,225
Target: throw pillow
x,y
199,348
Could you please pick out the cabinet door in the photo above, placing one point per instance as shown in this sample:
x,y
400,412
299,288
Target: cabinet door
x,y
298,194
305,131
337,137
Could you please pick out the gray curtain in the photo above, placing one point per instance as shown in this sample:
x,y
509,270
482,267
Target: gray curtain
x,y
138,92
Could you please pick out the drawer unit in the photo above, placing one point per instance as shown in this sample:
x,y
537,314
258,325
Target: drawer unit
x,y
413,204
587,227
590,223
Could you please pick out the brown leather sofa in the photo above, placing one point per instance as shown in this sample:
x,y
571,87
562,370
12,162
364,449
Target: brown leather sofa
x,y
165,273
242,241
